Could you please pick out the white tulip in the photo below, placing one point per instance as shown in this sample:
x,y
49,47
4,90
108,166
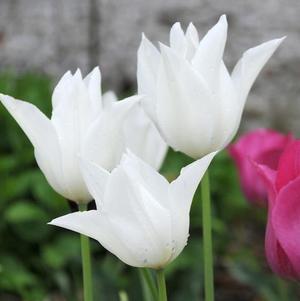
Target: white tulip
x,y
82,123
193,100
141,217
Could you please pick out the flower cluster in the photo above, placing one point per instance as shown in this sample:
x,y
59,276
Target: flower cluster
x,y
95,147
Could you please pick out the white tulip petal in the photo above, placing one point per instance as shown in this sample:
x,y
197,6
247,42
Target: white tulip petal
x,y
62,89
147,65
109,98
155,225
249,66
181,192
183,188
146,142
192,34
93,83
71,119
30,118
140,171
78,75
95,178
192,40
65,115
107,149
208,56
139,217
177,39
42,135
117,200
231,108
185,106
99,227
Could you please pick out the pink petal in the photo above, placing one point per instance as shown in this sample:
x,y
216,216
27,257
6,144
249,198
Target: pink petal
x,y
260,141
268,176
286,221
289,165
276,256
263,146
270,158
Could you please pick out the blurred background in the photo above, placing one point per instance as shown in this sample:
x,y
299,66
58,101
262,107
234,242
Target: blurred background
x,y
42,39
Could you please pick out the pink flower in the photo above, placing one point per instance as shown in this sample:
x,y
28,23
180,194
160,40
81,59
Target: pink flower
x,y
262,146
283,228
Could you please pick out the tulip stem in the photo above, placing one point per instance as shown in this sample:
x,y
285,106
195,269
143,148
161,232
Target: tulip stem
x,y
282,289
207,239
148,283
86,264
161,284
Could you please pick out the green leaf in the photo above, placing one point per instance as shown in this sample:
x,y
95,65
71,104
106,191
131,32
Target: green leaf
x,y
61,251
24,211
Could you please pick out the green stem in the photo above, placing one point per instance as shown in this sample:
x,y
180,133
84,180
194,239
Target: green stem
x,y
149,287
123,296
282,289
86,264
161,284
207,239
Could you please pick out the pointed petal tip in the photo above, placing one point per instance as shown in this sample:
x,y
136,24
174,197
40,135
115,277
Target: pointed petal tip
x,y
209,157
68,73
165,50
53,222
272,44
280,40
223,18
8,101
223,22
96,69
95,72
167,54
144,38
268,47
68,221
176,25
78,73
275,42
190,27
163,46
4,97
145,43
58,221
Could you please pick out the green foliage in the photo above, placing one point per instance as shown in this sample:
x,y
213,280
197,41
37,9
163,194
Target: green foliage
x,y
38,261
27,203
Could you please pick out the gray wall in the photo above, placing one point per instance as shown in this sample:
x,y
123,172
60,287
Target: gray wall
x,y
53,36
